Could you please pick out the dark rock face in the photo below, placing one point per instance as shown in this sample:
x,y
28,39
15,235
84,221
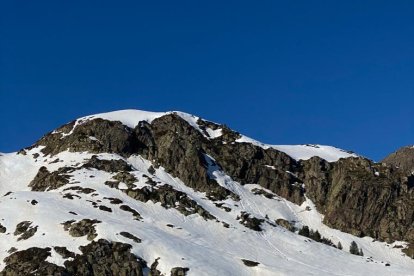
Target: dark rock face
x,y
247,163
130,236
174,144
175,271
2,229
31,262
85,227
153,269
25,230
250,222
402,158
45,180
79,189
179,271
98,258
110,166
112,137
177,146
106,258
168,197
286,224
134,212
250,263
64,252
362,197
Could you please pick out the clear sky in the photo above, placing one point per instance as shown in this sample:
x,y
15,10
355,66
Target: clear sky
x,y
283,72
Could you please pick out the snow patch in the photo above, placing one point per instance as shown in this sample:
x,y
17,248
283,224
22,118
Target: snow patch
x,y
303,152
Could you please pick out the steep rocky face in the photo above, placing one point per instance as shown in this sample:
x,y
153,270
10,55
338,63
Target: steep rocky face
x,y
179,149
362,197
173,143
31,261
269,168
94,136
98,258
402,158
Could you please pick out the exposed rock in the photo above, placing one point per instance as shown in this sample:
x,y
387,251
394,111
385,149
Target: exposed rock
x,y
257,191
2,229
45,180
135,213
64,252
106,258
12,250
111,166
286,224
179,271
125,177
153,269
97,258
177,146
104,208
130,236
221,206
250,221
250,263
85,227
169,198
31,261
25,230
110,136
361,197
113,200
247,163
80,189
402,158
70,196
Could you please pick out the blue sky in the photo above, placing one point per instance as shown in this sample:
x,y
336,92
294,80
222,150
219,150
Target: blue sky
x,y
283,72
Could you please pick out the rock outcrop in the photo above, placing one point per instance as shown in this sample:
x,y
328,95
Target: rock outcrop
x,y
402,158
362,197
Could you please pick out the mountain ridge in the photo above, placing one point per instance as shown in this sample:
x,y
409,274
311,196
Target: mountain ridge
x,y
174,172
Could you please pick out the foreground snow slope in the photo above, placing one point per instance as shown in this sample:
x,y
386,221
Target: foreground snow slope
x,y
205,246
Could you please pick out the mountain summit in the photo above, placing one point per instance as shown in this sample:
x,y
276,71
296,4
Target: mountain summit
x,y
148,193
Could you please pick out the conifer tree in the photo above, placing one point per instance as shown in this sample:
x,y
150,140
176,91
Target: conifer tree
x,y
353,249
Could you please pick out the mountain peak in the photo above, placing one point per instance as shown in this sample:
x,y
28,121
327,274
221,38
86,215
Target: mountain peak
x,y
134,192
131,118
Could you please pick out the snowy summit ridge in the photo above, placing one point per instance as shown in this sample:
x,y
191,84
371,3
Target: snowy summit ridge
x,y
131,118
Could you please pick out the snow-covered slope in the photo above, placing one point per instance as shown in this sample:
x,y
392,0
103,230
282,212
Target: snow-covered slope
x,y
304,152
204,246
215,245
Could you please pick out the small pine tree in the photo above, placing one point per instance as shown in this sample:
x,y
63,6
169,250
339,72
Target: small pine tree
x,y
361,253
340,246
353,249
316,236
304,231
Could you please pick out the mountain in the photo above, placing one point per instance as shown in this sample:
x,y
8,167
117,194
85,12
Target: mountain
x,y
142,193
